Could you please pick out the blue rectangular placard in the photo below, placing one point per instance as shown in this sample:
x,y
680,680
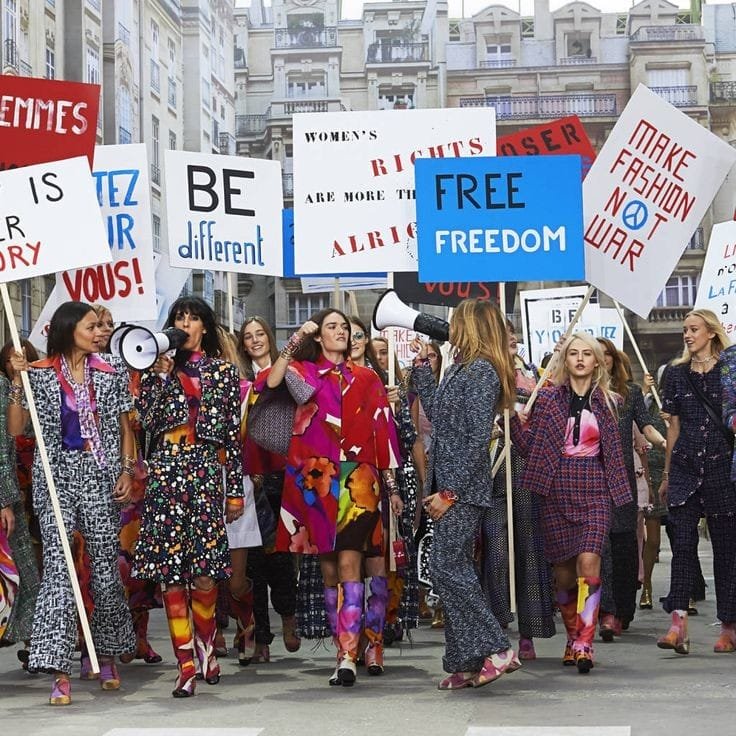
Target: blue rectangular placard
x,y
508,218
287,218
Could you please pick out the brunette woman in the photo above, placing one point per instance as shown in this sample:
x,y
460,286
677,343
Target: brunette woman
x,y
190,407
83,404
575,463
459,483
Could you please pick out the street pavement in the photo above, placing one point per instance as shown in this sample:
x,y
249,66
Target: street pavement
x,y
634,685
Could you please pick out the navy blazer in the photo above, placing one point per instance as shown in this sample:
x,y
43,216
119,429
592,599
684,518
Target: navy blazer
x,y
542,441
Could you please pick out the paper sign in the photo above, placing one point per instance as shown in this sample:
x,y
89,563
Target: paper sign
x,y
354,200
126,286
224,213
717,287
50,221
645,195
46,120
318,285
498,219
403,338
563,136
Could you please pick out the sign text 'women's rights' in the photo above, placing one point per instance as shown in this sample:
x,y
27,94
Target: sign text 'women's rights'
x,y
126,286
50,220
511,218
224,213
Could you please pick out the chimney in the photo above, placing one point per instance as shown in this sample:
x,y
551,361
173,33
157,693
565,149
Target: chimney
x,y
543,27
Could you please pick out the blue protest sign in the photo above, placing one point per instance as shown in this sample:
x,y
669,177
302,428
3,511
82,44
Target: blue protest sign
x,y
287,219
508,218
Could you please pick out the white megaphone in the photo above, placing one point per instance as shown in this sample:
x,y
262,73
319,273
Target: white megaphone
x,y
390,311
139,347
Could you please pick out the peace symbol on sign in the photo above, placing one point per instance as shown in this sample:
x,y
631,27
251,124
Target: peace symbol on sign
x,y
635,215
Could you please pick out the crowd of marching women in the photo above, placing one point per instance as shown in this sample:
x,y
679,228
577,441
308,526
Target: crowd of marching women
x,y
230,473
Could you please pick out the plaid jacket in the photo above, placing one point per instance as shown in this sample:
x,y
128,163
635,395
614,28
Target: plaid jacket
x,y
542,440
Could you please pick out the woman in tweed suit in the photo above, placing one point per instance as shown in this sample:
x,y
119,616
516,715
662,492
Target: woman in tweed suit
x,y
462,409
575,463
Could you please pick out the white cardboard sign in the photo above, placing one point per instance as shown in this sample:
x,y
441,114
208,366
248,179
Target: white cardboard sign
x,y
645,195
717,287
317,285
354,205
126,286
51,220
224,213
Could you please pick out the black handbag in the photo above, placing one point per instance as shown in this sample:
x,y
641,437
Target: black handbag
x,y
710,410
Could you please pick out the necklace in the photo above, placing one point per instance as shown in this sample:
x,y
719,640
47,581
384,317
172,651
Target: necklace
x,y
693,359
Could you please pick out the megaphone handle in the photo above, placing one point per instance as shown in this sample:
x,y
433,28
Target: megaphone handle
x,y
168,354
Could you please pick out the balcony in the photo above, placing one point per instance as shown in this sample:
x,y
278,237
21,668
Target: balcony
x,y
171,97
289,107
696,243
496,63
240,62
669,314
124,135
549,106
155,175
155,77
226,143
657,34
305,38
26,70
10,54
684,96
246,125
397,52
723,92
578,60
287,180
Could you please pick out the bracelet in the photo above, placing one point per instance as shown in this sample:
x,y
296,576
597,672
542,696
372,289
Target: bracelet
x,y
395,492
237,502
665,475
127,461
448,496
15,394
292,345
128,471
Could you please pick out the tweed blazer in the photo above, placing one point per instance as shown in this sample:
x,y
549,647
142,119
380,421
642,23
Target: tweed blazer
x,y
461,409
542,440
162,406
112,398
9,493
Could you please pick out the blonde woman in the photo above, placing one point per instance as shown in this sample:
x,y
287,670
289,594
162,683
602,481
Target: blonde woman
x,y
697,475
461,409
575,463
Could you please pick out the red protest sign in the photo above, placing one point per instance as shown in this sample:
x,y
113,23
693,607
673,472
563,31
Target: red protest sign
x,y
565,135
44,120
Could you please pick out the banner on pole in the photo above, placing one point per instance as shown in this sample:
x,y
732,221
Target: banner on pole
x,y
717,287
126,286
495,219
563,136
645,195
354,197
46,120
224,213
51,220
319,284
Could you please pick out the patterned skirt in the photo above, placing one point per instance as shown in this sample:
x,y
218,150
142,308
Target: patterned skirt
x,y
182,532
576,515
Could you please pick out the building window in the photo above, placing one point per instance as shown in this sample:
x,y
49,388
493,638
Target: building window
x,y
125,106
498,52
683,18
155,152
50,63
93,65
680,291
172,140
454,30
26,303
154,40
301,87
206,94
527,27
622,24
578,45
156,230
396,99
300,307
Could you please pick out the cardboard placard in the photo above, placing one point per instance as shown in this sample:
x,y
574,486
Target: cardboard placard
x,y
717,287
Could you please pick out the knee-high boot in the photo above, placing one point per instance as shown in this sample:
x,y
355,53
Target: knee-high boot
x,y
143,648
205,630
589,601
241,609
349,625
176,603
567,601
376,590
392,630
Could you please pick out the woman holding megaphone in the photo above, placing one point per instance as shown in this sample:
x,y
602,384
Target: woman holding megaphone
x,y
190,408
462,409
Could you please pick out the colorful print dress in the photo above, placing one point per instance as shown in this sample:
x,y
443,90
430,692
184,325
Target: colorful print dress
x,y
343,436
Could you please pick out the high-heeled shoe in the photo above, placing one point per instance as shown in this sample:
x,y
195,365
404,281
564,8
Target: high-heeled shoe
x,y
645,601
438,621
109,677
147,653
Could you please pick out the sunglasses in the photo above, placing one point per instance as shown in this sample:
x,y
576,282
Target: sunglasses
x,y
357,335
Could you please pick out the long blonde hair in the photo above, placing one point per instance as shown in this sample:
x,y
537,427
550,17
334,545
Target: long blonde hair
x,y
478,330
712,324
560,375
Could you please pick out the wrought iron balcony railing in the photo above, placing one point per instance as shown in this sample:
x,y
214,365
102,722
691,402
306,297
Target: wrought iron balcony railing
x,y
124,135
250,124
10,54
287,180
697,241
155,174
226,143
397,53
171,97
305,38
682,32
723,92
549,106
682,96
496,63
155,76
578,60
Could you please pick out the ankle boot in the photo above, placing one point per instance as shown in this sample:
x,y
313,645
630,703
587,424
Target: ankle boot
x,y
349,625
241,609
727,640
589,600
645,602
143,648
376,590
176,603
205,630
331,611
676,638
288,632
567,601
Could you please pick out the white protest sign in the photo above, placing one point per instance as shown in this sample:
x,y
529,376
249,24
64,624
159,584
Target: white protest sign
x,y
645,195
126,286
51,220
717,287
402,340
40,331
316,285
547,313
611,326
354,198
224,213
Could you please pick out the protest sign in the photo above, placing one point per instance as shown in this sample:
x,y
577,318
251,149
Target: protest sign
x,y
493,219
318,284
224,213
717,287
354,199
402,340
645,195
46,120
611,326
126,286
51,220
563,136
